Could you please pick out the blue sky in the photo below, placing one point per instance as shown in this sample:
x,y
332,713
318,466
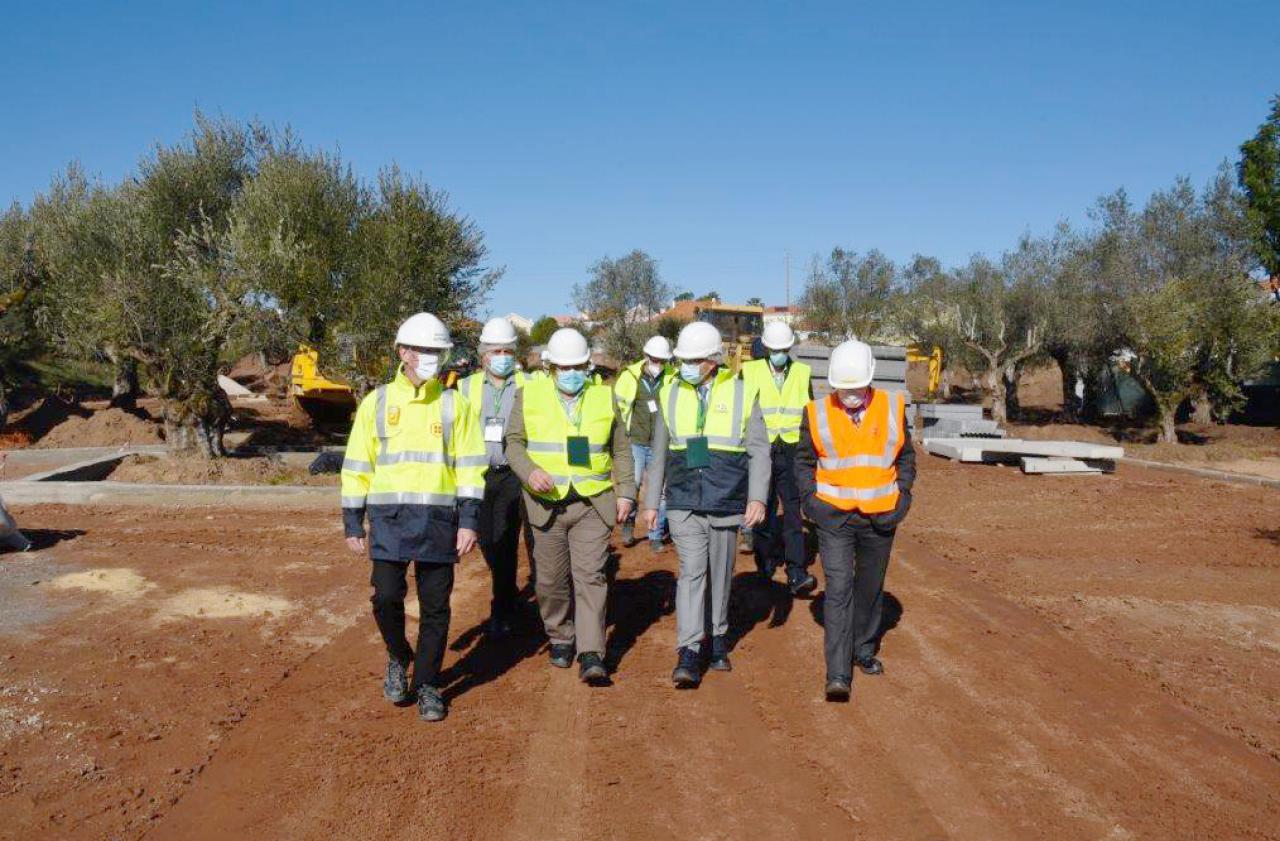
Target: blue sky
x,y
715,136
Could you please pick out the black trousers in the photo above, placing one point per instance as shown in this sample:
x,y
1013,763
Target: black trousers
x,y
780,538
435,585
500,520
855,556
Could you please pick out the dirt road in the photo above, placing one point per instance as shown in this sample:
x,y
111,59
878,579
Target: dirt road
x,y
1072,658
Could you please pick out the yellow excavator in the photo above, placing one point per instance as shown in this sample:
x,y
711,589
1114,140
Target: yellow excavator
x,y
316,394
739,325
933,356
321,397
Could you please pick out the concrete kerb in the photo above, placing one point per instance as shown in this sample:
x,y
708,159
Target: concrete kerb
x,y
122,493
1205,473
80,482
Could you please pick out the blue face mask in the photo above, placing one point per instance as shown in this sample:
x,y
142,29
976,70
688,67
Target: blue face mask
x,y
571,382
501,365
691,372
779,359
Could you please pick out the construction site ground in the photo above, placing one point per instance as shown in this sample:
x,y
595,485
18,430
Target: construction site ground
x,y
1066,657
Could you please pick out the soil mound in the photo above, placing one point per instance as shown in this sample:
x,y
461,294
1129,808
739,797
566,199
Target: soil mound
x,y
197,470
104,428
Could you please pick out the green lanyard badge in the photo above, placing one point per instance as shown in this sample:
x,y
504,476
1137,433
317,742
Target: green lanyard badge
x,y
696,453
579,451
578,446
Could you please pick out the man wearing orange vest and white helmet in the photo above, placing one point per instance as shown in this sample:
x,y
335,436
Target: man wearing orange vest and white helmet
x,y
855,467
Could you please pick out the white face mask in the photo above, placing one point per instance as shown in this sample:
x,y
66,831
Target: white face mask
x,y
427,367
852,400
654,368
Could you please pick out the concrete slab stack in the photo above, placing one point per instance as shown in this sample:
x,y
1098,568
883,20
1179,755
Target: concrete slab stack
x,y
891,370
1034,457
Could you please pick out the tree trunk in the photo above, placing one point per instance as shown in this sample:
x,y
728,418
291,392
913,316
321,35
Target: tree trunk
x,y
993,384
1009,375
944,385
198,422
1072,386
1168,423
124,389
1202,409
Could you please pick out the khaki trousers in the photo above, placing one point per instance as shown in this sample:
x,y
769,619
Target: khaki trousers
x,y
570,553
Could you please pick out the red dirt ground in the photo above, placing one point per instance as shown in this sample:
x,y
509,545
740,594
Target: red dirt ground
x,y
1073,657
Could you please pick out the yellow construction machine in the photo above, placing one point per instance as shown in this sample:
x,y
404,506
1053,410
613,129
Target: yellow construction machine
x,y
315,393
739,325
933,356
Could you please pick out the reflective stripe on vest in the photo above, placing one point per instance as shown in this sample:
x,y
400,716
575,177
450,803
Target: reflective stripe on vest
x,y
856,461
782,408
724,429
547,429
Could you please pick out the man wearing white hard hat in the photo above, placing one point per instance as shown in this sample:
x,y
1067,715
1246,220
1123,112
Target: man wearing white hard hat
x,y
414,467
713,461
855,467
636,395
491,394
784,389
570,449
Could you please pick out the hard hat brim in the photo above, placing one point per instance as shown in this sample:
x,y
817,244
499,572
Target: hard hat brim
x,y
851,383
575,360
788,346
687,355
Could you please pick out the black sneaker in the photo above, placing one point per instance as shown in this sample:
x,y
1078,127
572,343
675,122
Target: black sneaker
x,y
838,688
688,671
561,655
802,584
655,546
720,654
498,628
396,687
431,705
628,534
591,669
870,665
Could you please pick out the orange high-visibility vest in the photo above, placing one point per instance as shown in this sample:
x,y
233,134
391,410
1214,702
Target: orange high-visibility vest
x,y
856,469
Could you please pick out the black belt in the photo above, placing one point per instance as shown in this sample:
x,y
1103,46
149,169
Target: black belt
x,y
500,469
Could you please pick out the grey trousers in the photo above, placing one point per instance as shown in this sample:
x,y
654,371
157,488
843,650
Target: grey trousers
x,y
570,556
855,557
707,547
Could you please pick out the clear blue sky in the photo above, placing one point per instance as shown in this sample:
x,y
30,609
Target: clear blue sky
x,y
715,136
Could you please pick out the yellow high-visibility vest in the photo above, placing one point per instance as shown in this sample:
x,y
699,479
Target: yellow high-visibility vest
x,y
472,388
724,418
548,428
782,408
627,386
413,446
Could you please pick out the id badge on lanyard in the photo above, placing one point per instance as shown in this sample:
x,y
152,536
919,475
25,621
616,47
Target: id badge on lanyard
x,y
493,429
579,451
696,453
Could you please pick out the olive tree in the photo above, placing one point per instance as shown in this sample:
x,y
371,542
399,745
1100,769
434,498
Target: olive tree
x,y
622,296
849,296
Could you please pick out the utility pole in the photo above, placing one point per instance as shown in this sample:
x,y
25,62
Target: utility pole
x,y
788,261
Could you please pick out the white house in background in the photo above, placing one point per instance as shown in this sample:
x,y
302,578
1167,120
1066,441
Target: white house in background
x,y
518,321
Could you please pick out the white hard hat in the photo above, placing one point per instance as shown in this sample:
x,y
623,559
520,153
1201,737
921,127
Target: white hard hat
x,y
852,365
658,347
778,335
424,330
498,331
543,355
568,347
698,340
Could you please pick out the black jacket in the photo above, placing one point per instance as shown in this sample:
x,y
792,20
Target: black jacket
x,y
828,516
